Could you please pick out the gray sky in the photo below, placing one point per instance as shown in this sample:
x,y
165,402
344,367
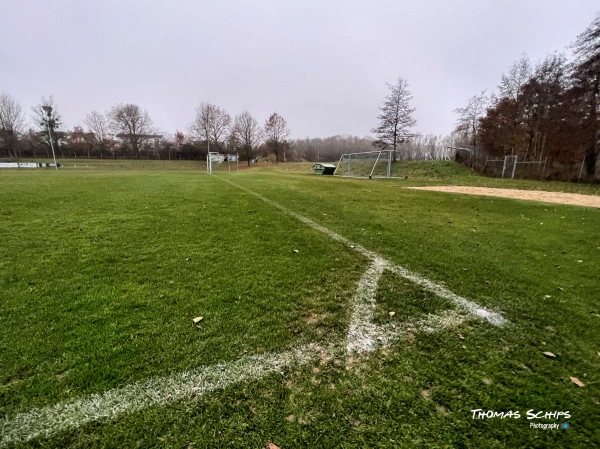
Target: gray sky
x,y
323,65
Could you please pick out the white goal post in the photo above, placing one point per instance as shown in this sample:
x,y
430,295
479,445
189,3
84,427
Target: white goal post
x,y
368,164
213,160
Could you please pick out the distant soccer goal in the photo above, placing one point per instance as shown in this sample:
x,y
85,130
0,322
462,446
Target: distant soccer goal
x,y
213,160
370,164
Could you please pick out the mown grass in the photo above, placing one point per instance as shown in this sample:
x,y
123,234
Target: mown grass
x,y
83,163
97,292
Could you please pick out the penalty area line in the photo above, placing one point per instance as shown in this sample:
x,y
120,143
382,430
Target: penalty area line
x,y
48,421
462,303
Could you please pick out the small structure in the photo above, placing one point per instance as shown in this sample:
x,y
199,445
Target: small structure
x,y
323,169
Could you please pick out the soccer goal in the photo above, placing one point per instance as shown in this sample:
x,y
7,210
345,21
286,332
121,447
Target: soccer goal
x,y
369,164
213,160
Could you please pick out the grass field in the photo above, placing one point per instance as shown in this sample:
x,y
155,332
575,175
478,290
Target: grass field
x,y
102,272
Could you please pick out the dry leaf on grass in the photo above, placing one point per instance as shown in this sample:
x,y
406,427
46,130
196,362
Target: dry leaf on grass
x,y
549,354
198,319
577,382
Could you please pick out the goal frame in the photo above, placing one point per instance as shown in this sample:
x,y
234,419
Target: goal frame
x,y
210,162
382,155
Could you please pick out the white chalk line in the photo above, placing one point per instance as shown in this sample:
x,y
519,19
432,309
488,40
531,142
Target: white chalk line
x,y
45,422
439,290
363,336
366,336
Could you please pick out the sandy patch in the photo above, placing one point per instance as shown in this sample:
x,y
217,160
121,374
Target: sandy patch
x,y
574,199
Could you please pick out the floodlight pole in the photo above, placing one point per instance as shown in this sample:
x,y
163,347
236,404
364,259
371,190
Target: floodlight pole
x,y
48,110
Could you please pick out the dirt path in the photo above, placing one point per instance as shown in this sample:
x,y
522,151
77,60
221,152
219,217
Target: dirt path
x,y
574,199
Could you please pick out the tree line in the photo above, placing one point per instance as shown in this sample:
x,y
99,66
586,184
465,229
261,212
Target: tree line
x,y
127,131
546,111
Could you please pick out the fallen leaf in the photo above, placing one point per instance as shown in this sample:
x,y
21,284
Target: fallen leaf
x,y
392,314
598,353
486,381
547,296
549,354
461,337
198,319
577,382
441,409
295,251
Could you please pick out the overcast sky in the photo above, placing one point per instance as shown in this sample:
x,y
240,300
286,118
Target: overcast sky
x,y
322,65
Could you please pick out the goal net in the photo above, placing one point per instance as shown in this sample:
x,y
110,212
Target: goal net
x,y
213,160
370,164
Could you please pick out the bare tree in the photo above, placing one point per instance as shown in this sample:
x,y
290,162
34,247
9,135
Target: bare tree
x,y
48,120
510,103
468,117
12,123
211,124
132,123
276,133
511,83
395,118
98,124
248,135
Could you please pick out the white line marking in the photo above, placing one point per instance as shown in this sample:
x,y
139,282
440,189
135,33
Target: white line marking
x,y
155,391
363,336
362,333
463,303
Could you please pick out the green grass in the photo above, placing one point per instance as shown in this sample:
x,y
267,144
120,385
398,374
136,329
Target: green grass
x,y
127,164
101,273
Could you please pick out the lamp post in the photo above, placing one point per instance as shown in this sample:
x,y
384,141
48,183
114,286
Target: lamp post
x,y
48,110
